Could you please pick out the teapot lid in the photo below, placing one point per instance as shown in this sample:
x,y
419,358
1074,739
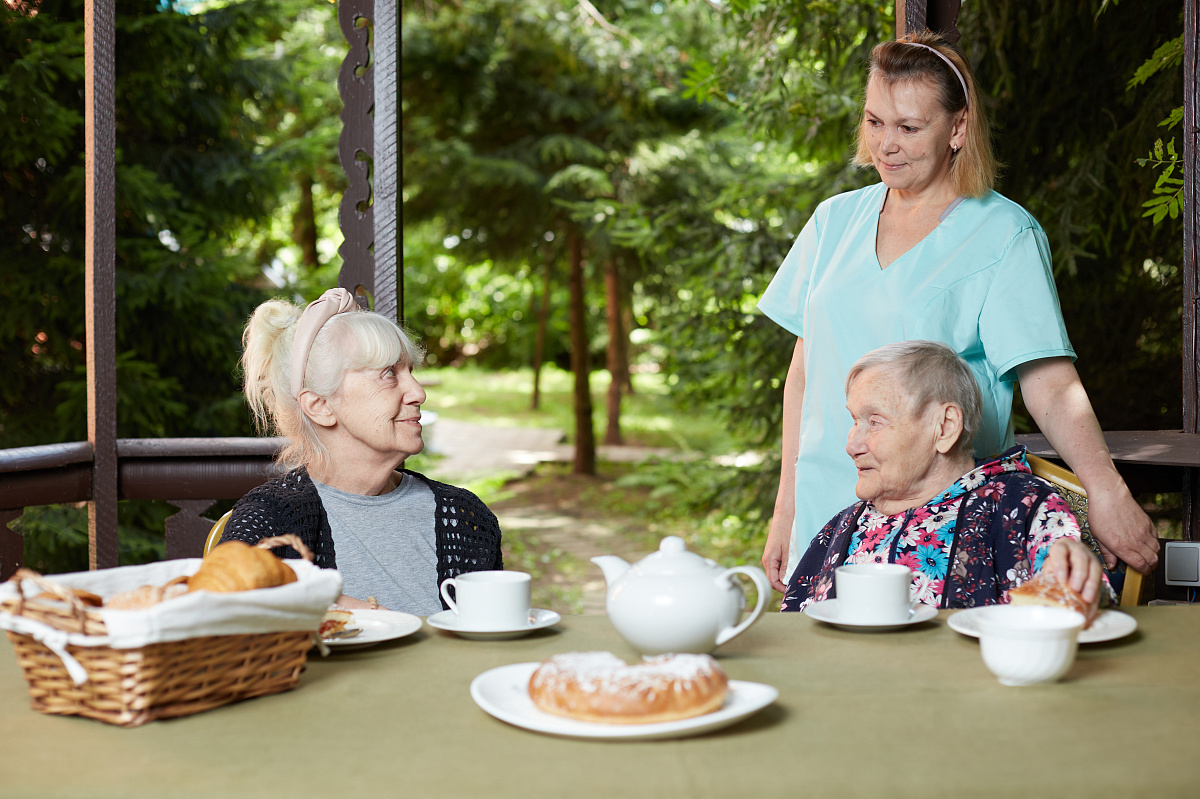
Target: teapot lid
x,y
673,558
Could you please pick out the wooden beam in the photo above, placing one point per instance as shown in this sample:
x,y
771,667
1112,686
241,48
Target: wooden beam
x,y
99,103
355,85
389,278
910,16
1191,213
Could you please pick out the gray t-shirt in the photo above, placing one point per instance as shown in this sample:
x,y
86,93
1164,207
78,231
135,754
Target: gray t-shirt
x,y
386,546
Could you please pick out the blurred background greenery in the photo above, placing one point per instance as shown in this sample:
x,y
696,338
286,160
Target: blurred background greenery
x,y
615,179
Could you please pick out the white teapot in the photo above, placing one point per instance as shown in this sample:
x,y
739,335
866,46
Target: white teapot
x,y
677,601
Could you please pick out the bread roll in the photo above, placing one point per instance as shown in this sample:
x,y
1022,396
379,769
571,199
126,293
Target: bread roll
x,y
235,566
599,686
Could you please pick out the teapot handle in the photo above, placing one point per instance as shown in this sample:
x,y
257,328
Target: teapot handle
x,y
764,591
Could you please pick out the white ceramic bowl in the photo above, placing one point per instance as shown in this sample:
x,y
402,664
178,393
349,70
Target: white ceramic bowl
x,y
1028,645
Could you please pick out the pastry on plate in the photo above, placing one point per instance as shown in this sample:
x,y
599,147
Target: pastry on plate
x,y
600,687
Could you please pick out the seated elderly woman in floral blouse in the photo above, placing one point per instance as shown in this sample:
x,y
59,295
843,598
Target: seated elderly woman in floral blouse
x,y
969,530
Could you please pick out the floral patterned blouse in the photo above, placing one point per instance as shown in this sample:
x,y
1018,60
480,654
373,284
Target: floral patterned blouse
x,y
988,532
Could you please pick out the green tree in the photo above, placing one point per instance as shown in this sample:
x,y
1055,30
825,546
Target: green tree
x,y
512,112
189,174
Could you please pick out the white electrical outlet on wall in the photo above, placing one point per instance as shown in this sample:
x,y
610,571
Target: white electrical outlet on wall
x,y
1182,562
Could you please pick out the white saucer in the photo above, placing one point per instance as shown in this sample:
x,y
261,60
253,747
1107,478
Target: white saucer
x,y
1108,626
538,619
504,693
827,611
377,626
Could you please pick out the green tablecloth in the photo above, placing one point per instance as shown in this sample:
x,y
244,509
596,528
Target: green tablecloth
x,y
912,713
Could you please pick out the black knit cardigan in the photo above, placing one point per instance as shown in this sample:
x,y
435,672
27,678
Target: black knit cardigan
x,y
467,533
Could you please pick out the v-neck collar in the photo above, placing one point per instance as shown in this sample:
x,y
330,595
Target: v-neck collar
x,y
949,209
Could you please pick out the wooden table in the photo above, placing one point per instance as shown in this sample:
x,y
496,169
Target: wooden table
x,y
913,713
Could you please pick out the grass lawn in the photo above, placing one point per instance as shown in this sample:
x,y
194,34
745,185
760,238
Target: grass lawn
x,y
648,417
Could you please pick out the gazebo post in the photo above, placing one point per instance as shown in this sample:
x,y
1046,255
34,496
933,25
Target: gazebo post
x,y
1191,158
389,290
368,150
99,98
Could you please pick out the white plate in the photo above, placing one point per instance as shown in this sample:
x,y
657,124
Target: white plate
x,y
827,611
538,619
377,626
1108,626
504,693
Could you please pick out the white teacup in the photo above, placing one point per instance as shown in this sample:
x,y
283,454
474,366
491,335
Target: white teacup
x,y
873,593
489,601
1027,645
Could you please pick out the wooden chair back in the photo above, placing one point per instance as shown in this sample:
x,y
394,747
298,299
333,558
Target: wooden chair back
x,y
1069,486
214,535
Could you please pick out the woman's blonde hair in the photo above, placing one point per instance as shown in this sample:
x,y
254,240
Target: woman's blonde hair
x,y
973,168
348,341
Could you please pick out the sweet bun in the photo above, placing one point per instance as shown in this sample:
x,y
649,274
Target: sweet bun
x,y
1046,588
236,566
599,686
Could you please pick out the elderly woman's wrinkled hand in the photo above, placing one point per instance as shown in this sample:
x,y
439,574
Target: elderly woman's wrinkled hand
x,y
1074,562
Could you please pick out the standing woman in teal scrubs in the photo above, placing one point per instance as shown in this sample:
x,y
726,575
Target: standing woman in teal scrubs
x,y
931,252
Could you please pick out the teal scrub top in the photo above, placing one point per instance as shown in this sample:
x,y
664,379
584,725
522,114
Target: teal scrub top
x,y
981,283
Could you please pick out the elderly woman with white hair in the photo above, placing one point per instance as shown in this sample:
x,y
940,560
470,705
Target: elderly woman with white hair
x,y
338,382
969,530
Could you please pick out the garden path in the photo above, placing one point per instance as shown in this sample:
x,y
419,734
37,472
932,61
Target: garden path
x,y
551,521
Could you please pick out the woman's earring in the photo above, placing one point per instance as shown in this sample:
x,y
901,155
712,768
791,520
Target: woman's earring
x,y
954,148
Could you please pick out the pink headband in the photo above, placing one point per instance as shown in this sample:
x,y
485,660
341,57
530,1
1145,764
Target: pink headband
x,y
318,312
949,63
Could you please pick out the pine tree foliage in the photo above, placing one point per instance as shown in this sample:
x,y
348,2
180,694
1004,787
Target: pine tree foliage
x,y
190,173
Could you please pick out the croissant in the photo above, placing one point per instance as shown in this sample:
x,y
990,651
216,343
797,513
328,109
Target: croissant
x,y
235,566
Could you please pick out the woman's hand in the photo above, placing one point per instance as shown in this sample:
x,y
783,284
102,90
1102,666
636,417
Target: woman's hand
x,y
775,554
1073,562
346,602
1122,528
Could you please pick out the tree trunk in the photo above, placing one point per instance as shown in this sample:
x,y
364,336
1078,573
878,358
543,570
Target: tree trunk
x,y
585,439
304,224
617,365
626,327
539,341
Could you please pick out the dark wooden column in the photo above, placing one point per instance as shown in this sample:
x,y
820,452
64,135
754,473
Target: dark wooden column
x,y
389,280
940,16
1191,157
355,85
369,151
910,16
99,102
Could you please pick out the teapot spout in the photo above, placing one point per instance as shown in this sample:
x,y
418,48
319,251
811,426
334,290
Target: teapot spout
x,y
612,566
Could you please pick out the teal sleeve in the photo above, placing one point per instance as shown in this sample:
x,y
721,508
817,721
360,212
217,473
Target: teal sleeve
x,y
1021,320
785,298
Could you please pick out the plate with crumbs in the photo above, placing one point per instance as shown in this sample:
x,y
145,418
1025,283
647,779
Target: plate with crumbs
x,y
377,626
504,693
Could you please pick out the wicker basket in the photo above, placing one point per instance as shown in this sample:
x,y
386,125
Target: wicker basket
x,y
130,687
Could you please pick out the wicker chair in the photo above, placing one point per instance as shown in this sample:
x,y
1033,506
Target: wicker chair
x,y
1069,486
